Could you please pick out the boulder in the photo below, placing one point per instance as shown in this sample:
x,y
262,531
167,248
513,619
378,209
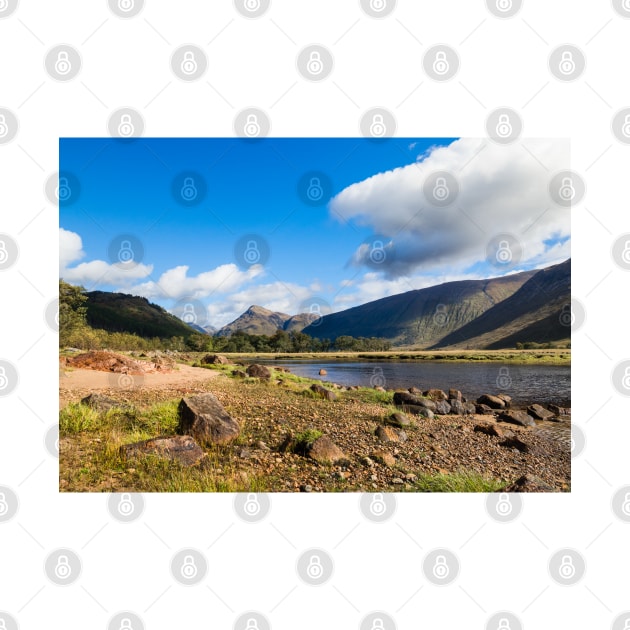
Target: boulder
x,y
204,417
539,412
378,388
325,451
457,407
514,416
323,392
506,399
469,408
559,411
517,443
484,410
399,420
436,394
494,402
215,359
323,372
455,394
418,410
99,402
179,448
390,434
415,390
402,399
528,483
239,374
384,457
489,429
442,408
258,371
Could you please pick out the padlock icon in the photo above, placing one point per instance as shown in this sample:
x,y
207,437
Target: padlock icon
x,y
314,64
626,625
252,624
126,5
504,253
626,378
504,5
252,505
188,315
63,190
63,65
567,63
378,5
626,6
189,64
625,129
504,505
189,190
4,5
252,254
504,624
567,191
440,568
377,253
567,317
315,309
378,506
4,254
125,505
4,128
125,624
625,506
4,381
504,126
63,570
440,63
4,506
252,5
378,624
504,380
125,253
567,568
252,127
440,190
440,317
126,127
3,625
377,127
315,570
625,255
189,568
315,191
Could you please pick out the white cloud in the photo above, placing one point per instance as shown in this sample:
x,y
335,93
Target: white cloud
x,y
176,283
501,189
94,271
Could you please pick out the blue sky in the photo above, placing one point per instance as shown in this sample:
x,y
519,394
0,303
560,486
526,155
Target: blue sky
x,y
363,194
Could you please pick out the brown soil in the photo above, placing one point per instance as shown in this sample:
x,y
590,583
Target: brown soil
x,y
268,410
103,361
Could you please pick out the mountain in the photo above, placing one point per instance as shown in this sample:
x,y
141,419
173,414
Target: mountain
x,y
423,317
257,320
533,313
119,312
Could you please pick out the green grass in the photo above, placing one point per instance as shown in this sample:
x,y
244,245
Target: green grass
x,y
76,418
463,481
303,440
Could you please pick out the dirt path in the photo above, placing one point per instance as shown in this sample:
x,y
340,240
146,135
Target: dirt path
x,y
75,382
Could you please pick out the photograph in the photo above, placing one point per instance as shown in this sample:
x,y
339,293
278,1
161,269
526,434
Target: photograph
x,y
261,315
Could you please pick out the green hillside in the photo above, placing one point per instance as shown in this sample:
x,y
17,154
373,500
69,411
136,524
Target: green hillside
x,y
119,312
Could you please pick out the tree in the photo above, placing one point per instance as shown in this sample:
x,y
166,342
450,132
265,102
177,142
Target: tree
x,y
72,312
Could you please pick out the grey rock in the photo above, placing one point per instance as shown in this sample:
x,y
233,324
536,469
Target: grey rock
x,y
204,417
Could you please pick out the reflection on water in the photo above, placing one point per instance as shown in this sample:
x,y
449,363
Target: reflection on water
x,y
524,383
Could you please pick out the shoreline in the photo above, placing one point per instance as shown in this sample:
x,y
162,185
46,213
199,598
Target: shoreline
x,y
443,453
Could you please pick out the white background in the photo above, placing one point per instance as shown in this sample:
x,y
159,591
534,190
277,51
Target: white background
x,y
252,63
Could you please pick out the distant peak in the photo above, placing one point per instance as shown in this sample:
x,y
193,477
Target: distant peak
x,y
259,310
